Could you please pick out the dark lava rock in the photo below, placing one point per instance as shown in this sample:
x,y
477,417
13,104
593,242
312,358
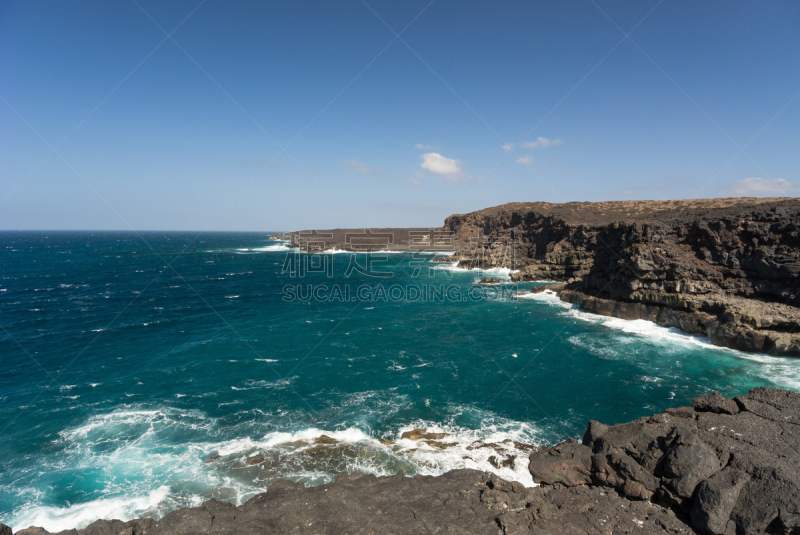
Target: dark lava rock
x,y
681,471
730,470
325,439
715,402
728,269
422,434
569,464
100,527
458,502
715,500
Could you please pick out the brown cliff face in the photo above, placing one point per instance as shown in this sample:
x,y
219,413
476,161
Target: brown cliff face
x,y
728,268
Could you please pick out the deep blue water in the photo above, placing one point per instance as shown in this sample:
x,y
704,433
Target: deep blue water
x,y
127,360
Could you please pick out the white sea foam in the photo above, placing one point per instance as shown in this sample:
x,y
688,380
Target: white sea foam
x,y
453,266
80,515
500,433
335,250
782,371
148,472
267,249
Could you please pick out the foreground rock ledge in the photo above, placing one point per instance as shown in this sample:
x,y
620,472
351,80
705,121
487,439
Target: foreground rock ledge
x,y
726,466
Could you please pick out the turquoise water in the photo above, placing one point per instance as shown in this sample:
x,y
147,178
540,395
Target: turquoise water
x,y
120,376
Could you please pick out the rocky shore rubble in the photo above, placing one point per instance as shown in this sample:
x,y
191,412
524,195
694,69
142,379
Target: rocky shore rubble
x,y
725,466
725,268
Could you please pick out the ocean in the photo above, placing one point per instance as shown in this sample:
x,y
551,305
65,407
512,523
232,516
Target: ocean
x,y
142,371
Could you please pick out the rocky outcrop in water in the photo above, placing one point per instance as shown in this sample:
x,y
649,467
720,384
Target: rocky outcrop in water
x,y
726,467
725,268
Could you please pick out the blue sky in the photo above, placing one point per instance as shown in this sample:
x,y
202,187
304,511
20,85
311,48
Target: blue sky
x,y
474,105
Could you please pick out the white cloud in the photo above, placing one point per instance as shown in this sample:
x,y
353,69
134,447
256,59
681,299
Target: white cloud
x,y
542,143
440,165
507,147
414,182
524,159
361,167
447,168
425,147
761,187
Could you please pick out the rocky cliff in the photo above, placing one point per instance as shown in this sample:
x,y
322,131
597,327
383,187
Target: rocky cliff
x,y
726,466
726,268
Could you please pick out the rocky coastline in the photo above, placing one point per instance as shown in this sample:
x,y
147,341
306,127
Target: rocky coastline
x,y
728,269
724,466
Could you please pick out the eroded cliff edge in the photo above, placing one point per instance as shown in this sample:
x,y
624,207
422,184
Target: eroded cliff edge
x,y
725,268
724,466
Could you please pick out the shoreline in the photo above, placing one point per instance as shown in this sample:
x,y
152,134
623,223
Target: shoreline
x,y
720,467
729,268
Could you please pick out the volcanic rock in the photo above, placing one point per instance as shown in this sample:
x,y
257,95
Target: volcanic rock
x,y
686,470
729,470
728,269
422,434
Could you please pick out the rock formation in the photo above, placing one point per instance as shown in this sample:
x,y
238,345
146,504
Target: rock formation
x,y
725,268
727,467
730,466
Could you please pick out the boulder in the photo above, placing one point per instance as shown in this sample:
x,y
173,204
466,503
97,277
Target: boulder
x,y
568,464
715,402
422,434
593,431
715,500
688,462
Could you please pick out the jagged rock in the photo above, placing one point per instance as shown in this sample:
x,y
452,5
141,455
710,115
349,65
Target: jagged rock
x,y
438,445
725,473
325,439
255,459
422,434
725,268
556,287
525,447
715,402
715,500
732,473
593,431
211,458
99,527
614,468
688,462
568,463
